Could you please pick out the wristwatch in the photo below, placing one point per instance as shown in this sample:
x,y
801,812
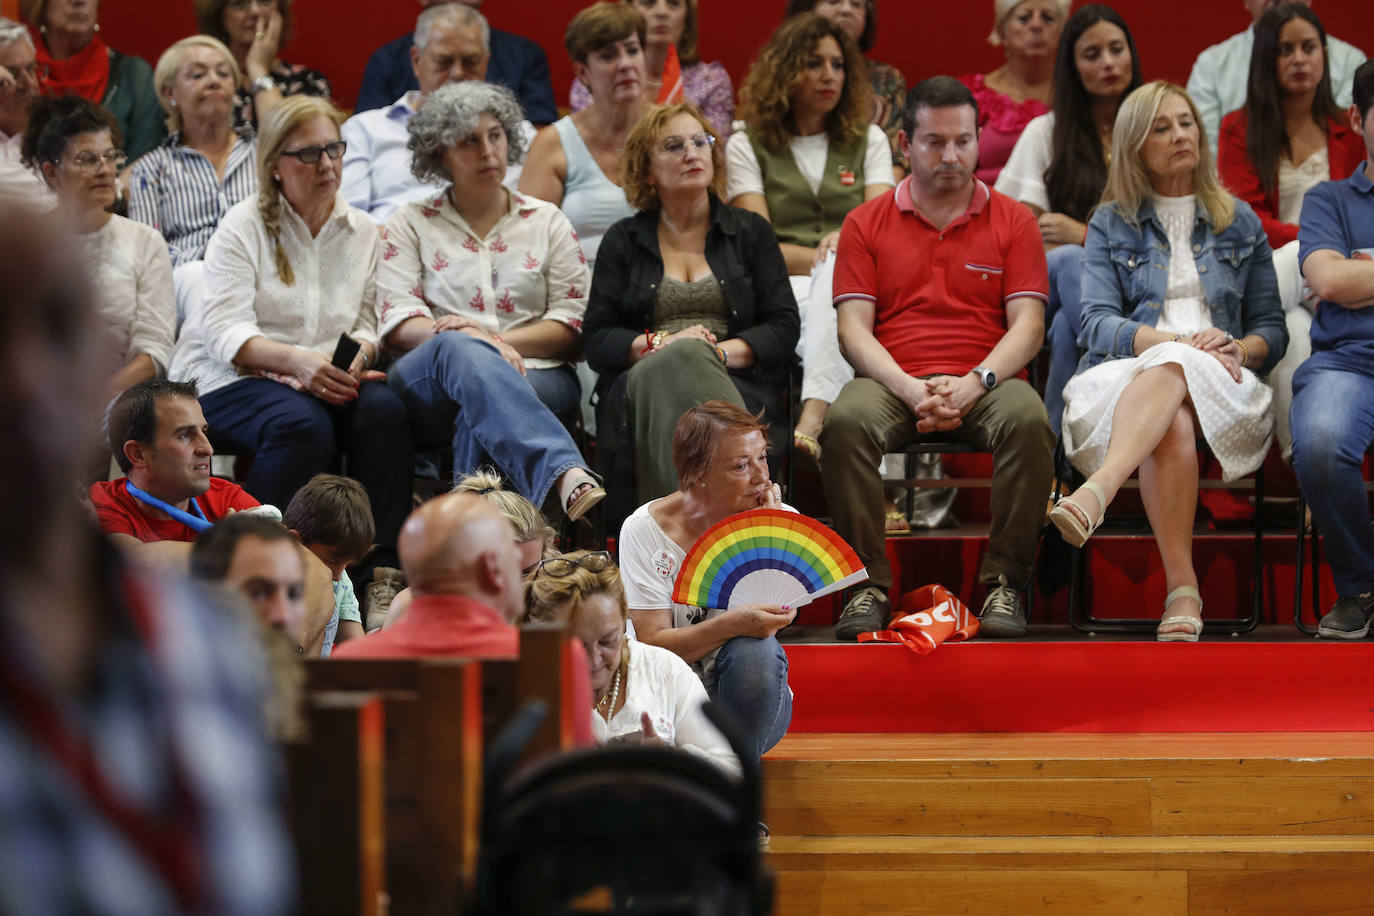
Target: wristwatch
x,y
263,83
986,376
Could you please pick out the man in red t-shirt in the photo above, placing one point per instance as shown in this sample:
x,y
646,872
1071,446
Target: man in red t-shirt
x,y
940,288
157,434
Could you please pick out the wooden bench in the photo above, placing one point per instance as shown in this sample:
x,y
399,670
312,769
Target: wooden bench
x,y
434,716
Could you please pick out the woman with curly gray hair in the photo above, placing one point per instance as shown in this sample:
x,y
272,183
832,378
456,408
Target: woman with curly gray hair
x,y
482,290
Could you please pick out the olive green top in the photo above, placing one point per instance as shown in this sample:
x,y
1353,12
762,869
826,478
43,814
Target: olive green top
x,y
799,215
681,304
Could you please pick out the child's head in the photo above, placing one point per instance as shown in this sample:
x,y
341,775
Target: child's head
x,y
332,517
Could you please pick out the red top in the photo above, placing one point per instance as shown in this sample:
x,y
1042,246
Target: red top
x,y
119,513
1344,149
457,626
440,625
940,295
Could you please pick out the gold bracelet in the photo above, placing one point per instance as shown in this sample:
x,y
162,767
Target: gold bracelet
x,y
657,341
1244,352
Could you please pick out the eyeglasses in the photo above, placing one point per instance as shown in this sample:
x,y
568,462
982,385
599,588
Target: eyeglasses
x,y
244,4
677,146
558,567
309,155
88,161
33,68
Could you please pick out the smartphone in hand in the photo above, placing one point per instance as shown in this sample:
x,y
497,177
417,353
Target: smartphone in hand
x,y
344,352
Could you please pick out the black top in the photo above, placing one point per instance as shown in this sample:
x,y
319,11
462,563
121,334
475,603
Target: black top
x,y
744,256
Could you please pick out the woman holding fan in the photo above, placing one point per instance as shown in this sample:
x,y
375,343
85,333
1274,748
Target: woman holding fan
x,y
721,456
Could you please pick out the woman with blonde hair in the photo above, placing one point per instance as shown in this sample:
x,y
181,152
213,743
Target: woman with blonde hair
x,y
639,692
1180,316
675,71
288,275
1021,89
807,156
534,536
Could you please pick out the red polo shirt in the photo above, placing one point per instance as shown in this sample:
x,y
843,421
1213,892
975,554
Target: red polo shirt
x,y
119,513
440,625
940,294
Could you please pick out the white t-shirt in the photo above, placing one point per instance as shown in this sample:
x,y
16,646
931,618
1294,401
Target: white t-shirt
x,y
743,175
132,276
649,563
661,684
1023,177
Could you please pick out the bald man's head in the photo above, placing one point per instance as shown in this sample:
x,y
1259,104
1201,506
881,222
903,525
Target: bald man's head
x,y
459,544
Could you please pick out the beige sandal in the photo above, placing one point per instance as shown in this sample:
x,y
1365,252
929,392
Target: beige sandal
x,y
583,497
1193,621
1069,516
808,446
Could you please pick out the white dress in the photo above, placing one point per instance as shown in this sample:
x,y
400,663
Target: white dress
x,y
1236,419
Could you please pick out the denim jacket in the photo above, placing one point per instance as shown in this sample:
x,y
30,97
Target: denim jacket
x,y
1126,273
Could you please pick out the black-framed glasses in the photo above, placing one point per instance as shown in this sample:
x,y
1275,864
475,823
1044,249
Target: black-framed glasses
x,y
677,146
558,567
244,4
309,155
89,160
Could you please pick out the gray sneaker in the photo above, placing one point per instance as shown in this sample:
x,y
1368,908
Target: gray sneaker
x,y
386,583
867,610
1002,616
1348,618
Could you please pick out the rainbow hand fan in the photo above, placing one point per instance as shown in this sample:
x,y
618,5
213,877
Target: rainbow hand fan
x,y
766,556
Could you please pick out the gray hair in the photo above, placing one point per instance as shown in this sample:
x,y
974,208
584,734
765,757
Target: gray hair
x,y
11,32
449,114
460,14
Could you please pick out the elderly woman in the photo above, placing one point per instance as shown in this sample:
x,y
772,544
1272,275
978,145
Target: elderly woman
x,y
482,291
1008,97
721,455
639,692
1289,137
287,275
1180,311
69,141
77,62
255,31
690,302
860,19
1059,168
184,186
575,162
808,149
676,73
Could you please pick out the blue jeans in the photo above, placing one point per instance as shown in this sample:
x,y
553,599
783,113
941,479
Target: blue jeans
x,y
459,386
293,436
1063,318
1333,423
751,681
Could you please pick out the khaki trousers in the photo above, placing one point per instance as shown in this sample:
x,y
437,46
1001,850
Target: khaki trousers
x,y
867,421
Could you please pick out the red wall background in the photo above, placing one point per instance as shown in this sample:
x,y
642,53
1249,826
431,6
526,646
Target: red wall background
x,y
920,38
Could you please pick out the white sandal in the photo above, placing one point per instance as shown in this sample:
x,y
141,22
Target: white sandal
x,y
1194,621
1068,516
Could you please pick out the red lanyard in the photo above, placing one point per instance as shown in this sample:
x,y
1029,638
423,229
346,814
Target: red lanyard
x,y
168,844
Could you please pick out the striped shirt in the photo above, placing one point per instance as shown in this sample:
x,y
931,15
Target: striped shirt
x,y
176,191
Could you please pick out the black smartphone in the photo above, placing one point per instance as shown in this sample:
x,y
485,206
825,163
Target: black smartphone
x,y
344,352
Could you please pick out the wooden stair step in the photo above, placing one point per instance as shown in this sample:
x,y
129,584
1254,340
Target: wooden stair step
x,y
1072,785
899,853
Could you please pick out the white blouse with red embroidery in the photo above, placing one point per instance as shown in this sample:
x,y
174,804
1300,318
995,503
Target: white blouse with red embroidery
x,y
528,268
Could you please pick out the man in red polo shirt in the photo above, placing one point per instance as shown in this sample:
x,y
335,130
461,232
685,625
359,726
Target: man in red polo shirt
x,y
940,288
157,434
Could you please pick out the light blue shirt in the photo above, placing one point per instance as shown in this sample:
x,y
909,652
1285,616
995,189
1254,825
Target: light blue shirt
x,y
376,166
1217,83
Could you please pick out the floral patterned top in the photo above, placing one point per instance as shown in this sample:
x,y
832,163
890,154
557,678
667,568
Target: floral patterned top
x,y
291,79
528,268
706,85
889,95
1001,119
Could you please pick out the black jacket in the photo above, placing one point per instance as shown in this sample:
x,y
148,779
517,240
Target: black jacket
x,y
744,256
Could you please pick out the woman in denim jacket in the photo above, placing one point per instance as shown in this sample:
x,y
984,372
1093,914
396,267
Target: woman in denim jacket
x,y
1174,343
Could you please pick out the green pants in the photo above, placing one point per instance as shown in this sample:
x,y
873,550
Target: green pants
x,y
867,421
661,388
